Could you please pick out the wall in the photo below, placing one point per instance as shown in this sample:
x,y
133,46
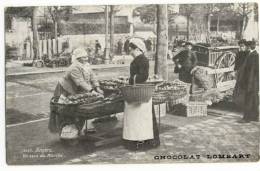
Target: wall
x,y
18,34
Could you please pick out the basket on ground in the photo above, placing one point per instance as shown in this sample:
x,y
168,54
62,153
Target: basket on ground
x,y
191,109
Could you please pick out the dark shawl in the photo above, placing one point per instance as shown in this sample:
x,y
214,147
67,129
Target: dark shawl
x,y
140,68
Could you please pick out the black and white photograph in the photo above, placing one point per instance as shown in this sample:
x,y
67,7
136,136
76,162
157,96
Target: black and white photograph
x,y
131,83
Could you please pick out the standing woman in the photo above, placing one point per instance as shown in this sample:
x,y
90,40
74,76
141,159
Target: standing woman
x,y
239,93
250,84
140,131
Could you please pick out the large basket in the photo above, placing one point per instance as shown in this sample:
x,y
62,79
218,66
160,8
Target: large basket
x,y
160,97
191,109
137,93
64,109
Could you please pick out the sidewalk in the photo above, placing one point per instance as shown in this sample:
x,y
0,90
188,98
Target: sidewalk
x,y
16,68
181,137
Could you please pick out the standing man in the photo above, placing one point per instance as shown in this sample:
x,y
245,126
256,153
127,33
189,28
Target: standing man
x,y
249,81
239,93
119,47
185,61
97,47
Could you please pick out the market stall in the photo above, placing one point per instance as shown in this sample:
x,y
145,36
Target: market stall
x,y
173,94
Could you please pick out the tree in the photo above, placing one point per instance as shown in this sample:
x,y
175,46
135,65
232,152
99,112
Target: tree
x,y
187,10
35,34
243,10
106,60
27,12
57,13
147,13
113,10
161,67
221,9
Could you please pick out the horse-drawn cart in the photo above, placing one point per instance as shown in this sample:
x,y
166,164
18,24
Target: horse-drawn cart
x,y
218,62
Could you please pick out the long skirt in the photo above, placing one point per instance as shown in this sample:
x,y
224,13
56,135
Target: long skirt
x,y
251,108
239,93
57,121
140,129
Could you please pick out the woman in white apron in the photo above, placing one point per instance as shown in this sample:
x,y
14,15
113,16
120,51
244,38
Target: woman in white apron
x,y
140,131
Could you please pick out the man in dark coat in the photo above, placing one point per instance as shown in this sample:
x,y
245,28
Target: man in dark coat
x,y
119,47
250,83
97,47
241,55
239,93
185,61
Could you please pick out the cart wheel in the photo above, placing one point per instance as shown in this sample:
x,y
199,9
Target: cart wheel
x,y
70,142
226,60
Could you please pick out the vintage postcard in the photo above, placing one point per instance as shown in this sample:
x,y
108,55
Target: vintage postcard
x,y
130,84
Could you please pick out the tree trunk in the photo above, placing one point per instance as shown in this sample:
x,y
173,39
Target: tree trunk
x,y
35,35
106,60
208,28
188,27
243,27
218,24
161,67
56,35
112,26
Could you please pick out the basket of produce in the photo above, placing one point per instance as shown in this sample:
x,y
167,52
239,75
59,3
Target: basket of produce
x,y
191,109
160,97
112,86
68,105
137,93
110,105
174,89
85,98
64,107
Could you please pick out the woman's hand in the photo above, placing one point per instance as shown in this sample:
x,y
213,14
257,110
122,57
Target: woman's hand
x,y
99,90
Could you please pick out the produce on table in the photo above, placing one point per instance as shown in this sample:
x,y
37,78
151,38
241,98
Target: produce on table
x,y
84,98
113,84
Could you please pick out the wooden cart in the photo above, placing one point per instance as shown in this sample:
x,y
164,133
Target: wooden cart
x,y
218,62
87,112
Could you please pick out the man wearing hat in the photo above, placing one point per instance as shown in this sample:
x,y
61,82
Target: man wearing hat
x,y
79,78
185,61
239,94
249,82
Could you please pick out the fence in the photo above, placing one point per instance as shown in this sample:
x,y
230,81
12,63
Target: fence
x,y
49,47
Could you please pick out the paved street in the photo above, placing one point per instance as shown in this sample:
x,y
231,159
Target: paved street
x,y
30,143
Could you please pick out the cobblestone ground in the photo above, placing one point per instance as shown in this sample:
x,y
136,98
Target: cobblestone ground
x,y
208,138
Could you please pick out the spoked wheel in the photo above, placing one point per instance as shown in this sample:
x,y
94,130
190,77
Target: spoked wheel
x,y
226,60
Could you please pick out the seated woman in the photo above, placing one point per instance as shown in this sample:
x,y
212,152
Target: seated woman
x,y
79,78
140,131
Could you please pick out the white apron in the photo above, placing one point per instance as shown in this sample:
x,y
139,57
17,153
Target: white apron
x,y
138,121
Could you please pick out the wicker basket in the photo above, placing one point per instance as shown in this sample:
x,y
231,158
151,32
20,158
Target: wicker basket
x,y
137,93
191,109
65,109
160,97
182,99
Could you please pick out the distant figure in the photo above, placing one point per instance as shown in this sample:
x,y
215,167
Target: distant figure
x,y
97,47
148,44
126,46
119,47
176,40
